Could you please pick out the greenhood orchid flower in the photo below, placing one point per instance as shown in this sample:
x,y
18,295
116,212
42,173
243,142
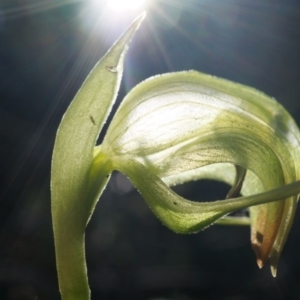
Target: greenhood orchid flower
x,y
168,130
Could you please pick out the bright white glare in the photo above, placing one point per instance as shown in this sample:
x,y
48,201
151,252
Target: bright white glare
x,y
125,4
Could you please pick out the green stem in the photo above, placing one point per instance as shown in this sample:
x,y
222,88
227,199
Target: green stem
x,y
69,234
70,258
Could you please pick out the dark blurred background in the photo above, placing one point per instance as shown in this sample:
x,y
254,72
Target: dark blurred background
x,y
47,48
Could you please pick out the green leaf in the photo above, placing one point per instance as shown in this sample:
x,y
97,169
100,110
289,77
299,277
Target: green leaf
x,y
74,188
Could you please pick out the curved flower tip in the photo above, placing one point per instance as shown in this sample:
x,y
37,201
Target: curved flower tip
x,y
266,220
270,226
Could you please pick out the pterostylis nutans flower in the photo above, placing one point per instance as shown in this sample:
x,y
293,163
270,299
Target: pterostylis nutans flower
x,y
168,130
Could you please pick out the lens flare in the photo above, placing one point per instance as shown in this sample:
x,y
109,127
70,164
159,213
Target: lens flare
x,y
125,4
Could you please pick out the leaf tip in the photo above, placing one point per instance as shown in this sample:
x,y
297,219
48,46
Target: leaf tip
x,y
139,19
143,15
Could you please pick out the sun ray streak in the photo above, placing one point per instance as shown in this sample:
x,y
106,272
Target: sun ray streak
x,y
34,8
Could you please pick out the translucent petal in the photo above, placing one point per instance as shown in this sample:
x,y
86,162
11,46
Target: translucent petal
x,y
177,123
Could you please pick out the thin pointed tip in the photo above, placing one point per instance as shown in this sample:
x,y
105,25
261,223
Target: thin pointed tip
x,y
273,271
259,263
141,16
139,19
274,259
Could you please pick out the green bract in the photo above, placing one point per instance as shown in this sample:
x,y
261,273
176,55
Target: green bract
x,y
171,129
